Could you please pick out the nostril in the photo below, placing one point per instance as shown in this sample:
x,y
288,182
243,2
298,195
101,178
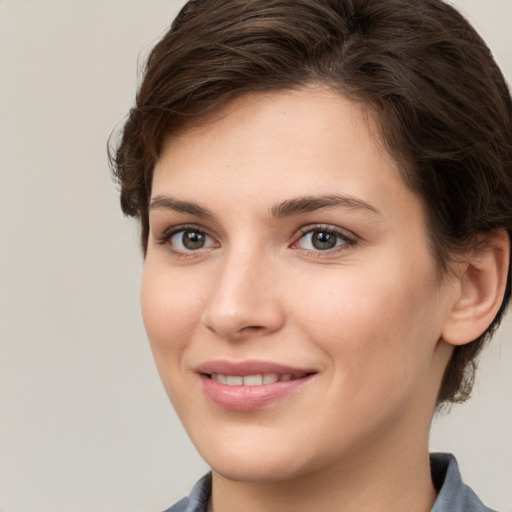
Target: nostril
x,y
240,319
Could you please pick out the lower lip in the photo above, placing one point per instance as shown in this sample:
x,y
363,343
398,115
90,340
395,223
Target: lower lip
x,y
248,398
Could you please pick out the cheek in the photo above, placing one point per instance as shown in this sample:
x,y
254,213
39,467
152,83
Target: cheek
x,y
171,309
379,327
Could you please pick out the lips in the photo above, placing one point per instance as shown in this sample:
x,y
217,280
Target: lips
x,y
250,384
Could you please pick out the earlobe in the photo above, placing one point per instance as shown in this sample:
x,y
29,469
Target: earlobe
x,y
481,287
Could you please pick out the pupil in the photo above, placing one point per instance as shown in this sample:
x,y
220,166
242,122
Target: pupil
x,y
193,240
322,240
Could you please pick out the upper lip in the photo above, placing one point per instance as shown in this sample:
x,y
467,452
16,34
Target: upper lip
x,y
249,367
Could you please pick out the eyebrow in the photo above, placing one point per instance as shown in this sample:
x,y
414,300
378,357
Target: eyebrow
x,y
308,204
169,203
288,208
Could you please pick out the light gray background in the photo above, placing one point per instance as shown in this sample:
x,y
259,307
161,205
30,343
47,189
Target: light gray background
x,y
84,423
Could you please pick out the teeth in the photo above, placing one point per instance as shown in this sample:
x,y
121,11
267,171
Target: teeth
x,y
254,380
232,380
270,378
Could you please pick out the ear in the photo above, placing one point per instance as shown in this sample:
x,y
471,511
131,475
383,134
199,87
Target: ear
x,y
481,285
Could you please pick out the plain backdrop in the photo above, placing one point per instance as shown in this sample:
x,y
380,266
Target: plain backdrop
x,y
84,423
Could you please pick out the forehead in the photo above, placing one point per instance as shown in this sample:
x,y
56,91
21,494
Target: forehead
x,y
311,137
312,124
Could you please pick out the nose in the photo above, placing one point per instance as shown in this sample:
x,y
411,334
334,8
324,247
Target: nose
x,y
244,301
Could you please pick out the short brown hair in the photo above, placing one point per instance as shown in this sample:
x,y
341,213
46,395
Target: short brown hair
x,y
444,108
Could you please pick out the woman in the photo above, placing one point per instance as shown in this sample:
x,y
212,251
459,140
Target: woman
x,y
325,196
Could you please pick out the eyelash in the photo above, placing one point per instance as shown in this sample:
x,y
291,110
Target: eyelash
x,y
168,234
341,235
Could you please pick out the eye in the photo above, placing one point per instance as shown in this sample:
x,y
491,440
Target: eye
x,y
322,239
189,239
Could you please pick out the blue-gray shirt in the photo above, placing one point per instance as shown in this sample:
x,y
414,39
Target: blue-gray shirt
x,y
454,495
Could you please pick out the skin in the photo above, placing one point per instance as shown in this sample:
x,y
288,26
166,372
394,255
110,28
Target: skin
x,y
368,315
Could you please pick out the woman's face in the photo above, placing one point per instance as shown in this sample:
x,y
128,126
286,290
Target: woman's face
x,y
288,293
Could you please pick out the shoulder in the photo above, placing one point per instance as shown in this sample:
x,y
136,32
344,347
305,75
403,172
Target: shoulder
x,y
454,495
197,500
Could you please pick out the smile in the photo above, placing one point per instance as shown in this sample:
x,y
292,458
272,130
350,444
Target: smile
x,y
250,385
258,379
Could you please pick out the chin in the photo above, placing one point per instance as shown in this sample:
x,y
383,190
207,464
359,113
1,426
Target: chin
x,y
257,461
247,469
